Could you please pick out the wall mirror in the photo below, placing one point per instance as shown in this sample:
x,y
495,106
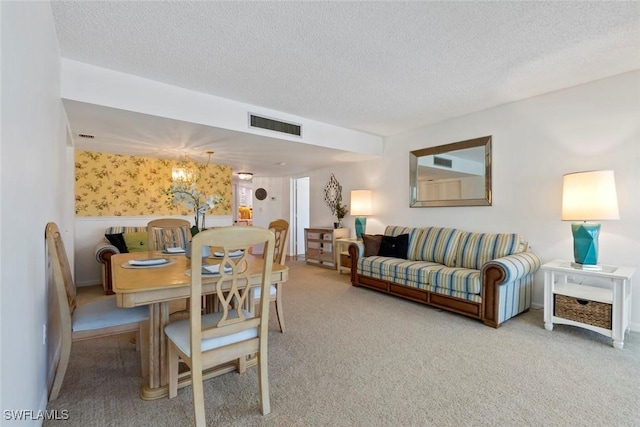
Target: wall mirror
x,y
457,174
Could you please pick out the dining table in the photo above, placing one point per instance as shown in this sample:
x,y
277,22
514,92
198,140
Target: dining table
x,y
156,285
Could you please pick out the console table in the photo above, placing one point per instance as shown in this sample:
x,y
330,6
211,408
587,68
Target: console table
x,y
602,306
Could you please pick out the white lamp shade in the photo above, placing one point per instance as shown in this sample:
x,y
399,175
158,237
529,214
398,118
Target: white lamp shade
x,y
589,196
361,202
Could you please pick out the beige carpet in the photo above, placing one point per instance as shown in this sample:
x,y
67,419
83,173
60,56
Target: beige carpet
x,y
355,357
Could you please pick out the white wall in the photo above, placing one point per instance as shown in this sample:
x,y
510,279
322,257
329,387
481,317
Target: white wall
x,y
535,142
34,190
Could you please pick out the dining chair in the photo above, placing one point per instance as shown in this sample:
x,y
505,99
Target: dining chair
x,y
69,322
166,233
280,229
230,334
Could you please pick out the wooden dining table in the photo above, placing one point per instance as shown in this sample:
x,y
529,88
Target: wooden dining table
x,y
156,286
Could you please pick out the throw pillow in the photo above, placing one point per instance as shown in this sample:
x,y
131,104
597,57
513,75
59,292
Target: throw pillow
x,y
136,242
118,241
371,244
394,246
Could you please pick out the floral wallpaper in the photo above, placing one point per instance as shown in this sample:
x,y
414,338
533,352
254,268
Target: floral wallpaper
x,y
116,185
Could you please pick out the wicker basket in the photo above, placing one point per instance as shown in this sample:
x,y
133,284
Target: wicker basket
x,y
584,311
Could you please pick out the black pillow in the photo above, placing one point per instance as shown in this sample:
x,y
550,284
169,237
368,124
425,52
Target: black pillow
x,y
118,241
371,244
394,246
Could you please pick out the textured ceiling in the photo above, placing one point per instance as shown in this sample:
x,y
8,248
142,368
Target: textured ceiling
x,y
377,67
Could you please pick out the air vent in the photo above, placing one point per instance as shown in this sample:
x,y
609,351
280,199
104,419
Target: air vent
x,y
441,161
85,135
274,125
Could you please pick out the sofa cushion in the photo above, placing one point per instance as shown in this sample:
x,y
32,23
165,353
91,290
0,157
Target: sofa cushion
x,y
371,244
414,233
118,241
394,246
436,244
136,242
475,249
378,267
464,280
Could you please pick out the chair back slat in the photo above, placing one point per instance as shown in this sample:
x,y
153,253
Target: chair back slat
x,y
65,286
280,229
168,232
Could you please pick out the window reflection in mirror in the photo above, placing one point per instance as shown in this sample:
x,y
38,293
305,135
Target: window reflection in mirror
x,y
457,174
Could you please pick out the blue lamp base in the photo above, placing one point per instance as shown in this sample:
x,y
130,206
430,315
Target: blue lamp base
x,y
361,224
585,246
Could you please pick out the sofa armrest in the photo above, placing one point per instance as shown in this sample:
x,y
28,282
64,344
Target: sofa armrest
x,y
514,267
512,274
104,252
356,250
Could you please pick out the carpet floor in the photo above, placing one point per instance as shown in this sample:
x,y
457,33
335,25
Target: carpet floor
x,y
356,357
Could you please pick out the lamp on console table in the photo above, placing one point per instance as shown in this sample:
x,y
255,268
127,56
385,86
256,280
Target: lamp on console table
x,y
588,196
360,206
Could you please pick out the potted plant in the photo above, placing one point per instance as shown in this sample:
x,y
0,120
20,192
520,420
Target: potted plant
x,y
340,211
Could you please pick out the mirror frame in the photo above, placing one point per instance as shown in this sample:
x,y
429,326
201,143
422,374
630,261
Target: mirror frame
x,y
484,141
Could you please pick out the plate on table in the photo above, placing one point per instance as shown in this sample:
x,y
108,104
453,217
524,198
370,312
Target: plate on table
x,y
211,270
147,263
234,254
174,251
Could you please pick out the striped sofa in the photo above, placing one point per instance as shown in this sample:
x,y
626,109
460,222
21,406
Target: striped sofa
x,y
484,276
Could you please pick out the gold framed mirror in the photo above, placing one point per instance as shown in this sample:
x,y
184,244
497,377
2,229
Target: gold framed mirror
x,y
456,174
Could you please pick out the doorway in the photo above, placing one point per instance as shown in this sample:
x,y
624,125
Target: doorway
x,y
300,214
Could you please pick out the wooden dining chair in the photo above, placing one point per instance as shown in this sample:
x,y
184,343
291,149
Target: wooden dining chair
x,y
280,229
69,322
166,233
230,334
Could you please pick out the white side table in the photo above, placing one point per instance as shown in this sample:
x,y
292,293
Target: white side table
x,y
344,260
564,283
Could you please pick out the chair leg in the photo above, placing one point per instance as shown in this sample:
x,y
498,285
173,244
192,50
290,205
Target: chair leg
x,y
198,395
173,361
242,364
279,307
263,383
65,351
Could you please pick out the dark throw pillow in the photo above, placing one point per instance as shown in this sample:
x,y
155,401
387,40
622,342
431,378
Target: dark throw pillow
x,y
371,244
394,246
118,241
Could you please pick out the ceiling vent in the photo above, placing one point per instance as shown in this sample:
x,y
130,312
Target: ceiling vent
x,y
274,125
86,135
441,161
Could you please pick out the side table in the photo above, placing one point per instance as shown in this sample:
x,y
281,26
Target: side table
x,y
603,306
344,260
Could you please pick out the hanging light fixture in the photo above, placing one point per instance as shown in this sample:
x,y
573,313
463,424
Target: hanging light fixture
x,y
245,176
186,171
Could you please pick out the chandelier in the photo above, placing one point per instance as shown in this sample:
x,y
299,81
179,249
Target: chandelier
x,y
245,176
186,171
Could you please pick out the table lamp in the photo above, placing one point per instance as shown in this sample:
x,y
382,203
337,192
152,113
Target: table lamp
x,y
588,196
360,206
